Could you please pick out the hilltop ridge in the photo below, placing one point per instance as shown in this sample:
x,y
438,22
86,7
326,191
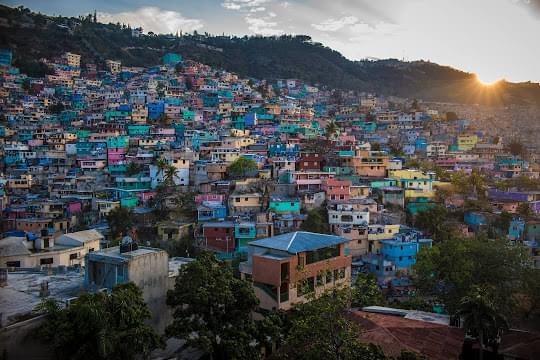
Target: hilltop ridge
x,y
33,36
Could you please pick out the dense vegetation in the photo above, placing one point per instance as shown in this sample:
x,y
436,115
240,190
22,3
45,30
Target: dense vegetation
x,y
100,326
34,36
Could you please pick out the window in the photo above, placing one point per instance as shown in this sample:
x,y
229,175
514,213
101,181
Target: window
x,y
322,254
245,199
237,199
11,264
46,261
328,276
320,280
46,243
73,256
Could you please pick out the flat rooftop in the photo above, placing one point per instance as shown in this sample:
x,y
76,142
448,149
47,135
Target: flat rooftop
x,y
21,294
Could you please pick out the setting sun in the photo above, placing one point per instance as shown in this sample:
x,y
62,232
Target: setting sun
x,y
486,82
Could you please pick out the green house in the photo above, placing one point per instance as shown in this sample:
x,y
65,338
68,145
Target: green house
x,y
281,206
129,202
118,142
188,115
138,129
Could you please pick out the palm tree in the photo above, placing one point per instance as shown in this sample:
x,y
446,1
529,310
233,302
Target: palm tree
x,y
162,165
480,318
331,129
168,175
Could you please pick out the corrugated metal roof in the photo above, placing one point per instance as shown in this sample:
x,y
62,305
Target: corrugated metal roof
x,y
299,241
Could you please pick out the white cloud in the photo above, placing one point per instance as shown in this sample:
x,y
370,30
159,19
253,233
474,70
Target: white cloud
x,y
362,29
262,26
154,19
335,24
245,5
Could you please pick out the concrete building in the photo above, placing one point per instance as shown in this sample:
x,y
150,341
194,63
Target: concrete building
x,y
288,268
25,250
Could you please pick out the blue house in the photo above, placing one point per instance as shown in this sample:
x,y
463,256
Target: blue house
x,y
516,229
403,248
155,109
211,211
475,220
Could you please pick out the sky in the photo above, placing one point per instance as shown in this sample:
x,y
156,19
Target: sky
x,y
496,39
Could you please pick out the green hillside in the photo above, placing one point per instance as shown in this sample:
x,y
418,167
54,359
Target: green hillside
x,y
33,36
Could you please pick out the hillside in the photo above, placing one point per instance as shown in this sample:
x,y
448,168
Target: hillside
x,y
33,36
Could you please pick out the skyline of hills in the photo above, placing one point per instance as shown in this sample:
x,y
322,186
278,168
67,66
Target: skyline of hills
x,y
34,36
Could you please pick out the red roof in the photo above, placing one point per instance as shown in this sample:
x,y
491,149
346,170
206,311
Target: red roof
x,y
394,334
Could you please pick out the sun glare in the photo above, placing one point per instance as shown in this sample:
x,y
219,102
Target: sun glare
x,y
486,83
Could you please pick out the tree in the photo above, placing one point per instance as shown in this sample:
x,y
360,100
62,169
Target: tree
x,y
396,150
242,166
481,318
366,291
169,175
120,220
320,330
212,310
516,148
451,269
503,221
133,169
331,129
184,205
524,209
100,326
415,106
317,221
434,222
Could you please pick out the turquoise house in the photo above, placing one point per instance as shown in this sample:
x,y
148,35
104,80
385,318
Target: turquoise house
x,y
118,142
282,206
420,204
138,129
244,233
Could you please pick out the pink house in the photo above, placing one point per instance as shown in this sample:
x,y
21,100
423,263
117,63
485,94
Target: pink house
x,y
74,207
116,156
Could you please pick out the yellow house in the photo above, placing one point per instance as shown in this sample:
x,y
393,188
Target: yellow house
x,y
376,233
413,179
239,133
360,191
22,182
106,206
237,142
466,142
245,203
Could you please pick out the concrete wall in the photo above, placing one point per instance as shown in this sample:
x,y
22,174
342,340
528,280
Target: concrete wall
x,y
18,342
150,272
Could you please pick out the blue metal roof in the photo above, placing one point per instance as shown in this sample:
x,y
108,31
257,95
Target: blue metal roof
x,y
299,241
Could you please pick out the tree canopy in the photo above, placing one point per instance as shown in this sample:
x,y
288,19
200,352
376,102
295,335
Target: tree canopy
x,y
242,167
120,220
100,326
317,221
212,310
320,330
452,268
